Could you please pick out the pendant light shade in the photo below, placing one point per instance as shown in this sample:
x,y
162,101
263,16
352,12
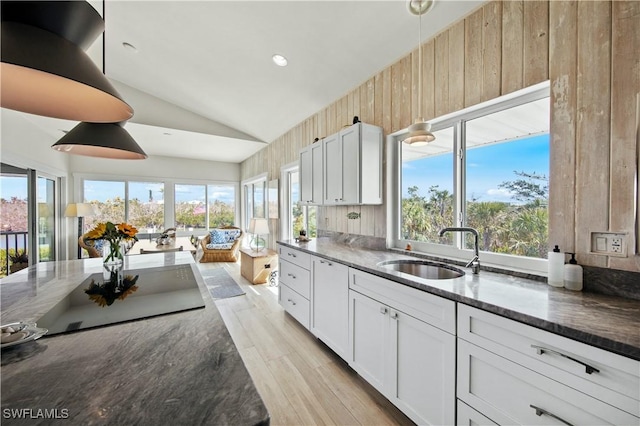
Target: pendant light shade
x,y
45,69
105,140
420,131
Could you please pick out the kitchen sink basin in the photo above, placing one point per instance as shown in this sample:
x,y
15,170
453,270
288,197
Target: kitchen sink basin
x,y
423,269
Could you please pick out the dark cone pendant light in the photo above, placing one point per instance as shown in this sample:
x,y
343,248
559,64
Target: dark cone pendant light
x,y
45,70
104,140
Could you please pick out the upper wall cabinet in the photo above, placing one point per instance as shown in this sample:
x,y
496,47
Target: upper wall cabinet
x,y
350,168
311,170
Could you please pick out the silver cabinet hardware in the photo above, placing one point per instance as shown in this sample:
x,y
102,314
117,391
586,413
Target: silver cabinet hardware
x,y
588,369
383,310
394,315
541,411
291,275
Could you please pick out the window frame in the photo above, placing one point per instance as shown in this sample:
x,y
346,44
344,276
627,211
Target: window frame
x,y
394,185
169,192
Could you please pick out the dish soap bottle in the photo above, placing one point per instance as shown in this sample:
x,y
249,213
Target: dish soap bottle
x,y
573,274
556,265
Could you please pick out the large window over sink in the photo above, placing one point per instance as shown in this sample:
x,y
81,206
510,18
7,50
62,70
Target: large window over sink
x,y
488,169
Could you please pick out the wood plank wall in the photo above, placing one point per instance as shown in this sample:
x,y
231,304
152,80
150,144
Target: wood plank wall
x,y
589,50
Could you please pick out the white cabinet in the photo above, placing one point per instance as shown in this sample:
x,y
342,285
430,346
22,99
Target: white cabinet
x,y
353,166
408,360
294,287
330,304
311,172
517,374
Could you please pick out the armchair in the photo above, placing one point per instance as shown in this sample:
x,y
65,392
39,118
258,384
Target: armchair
x,y
228,251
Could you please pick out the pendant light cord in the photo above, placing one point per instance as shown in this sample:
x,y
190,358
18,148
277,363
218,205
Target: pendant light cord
x,y
420,67
104,41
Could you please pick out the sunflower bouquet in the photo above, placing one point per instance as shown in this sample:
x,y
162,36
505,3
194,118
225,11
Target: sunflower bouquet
x,y
115,234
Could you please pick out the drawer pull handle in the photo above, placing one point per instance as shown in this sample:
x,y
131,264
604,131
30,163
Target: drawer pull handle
x,y
541,411
383,310
291,254
292,302
394,315
292,276
328,263
588,369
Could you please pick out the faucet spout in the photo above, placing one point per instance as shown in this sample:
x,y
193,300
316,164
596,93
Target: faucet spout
x,y
475,262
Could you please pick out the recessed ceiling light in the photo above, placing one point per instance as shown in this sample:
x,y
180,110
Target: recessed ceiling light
x,y
130,47
279,60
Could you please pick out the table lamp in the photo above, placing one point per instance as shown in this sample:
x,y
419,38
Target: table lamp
x,y
79,210
258,226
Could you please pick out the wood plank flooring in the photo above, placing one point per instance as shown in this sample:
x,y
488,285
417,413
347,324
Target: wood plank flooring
x,y
301,381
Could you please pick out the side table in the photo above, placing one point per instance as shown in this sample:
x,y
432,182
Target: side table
x,y
256,266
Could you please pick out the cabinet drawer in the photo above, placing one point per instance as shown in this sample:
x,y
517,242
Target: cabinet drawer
x,y
295,304
434,310
295,277
616,381
295,256
509,393
467,416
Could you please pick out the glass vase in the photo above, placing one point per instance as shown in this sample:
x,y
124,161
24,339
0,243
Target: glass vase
x,y
113,254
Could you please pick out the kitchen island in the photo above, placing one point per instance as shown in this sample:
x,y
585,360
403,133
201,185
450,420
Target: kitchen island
x,y
181,367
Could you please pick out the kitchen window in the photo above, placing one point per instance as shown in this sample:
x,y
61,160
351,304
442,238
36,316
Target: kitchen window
x,y
296,216
488,169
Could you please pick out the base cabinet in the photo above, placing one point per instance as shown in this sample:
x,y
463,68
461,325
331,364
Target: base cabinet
x,y
467,416
295,284
330,304
408,360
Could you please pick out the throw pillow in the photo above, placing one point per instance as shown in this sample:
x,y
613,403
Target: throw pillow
x,y
218,236
225,246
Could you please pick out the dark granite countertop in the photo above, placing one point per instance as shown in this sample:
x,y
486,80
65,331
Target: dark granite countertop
x,y
179,368
607,322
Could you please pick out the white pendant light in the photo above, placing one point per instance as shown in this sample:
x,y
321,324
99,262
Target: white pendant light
x,y
420,131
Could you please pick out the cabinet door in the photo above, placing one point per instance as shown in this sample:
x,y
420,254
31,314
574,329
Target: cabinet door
x,y
306,176
425,362
332,169
330,305
317,188
369,339
350,149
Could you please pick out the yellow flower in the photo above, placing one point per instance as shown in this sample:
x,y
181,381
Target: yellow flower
x,y
129,230
97,232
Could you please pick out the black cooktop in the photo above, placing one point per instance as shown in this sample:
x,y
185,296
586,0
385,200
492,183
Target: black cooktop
x,y
104,299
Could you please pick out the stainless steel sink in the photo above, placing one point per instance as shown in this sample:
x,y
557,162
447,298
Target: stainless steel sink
x,y
423,269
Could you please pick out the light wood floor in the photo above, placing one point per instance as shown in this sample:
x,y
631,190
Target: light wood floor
x,y
301,381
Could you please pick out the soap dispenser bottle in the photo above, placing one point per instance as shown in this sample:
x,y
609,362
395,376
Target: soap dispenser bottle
x,y
573,274
556,264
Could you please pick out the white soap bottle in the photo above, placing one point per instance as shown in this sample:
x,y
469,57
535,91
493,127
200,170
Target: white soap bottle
x,y
573,274
556,267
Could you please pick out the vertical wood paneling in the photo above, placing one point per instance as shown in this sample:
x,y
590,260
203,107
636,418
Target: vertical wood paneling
x,y
456,66
536,41
592,132
401,93
625,87
512,45
473,58
442,74
367,101
353,225
491,50
428,80
589,51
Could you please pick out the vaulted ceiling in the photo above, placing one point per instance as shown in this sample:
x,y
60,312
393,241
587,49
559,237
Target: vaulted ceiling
x,y
201,79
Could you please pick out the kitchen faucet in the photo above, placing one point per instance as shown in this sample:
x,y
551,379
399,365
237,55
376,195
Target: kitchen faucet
x,y
475,262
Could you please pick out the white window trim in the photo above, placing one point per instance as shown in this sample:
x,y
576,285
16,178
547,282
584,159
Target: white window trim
x,y
285,199
394,189
262,177
169,190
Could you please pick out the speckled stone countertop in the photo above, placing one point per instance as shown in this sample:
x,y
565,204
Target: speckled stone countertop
x,y
180,368
607,322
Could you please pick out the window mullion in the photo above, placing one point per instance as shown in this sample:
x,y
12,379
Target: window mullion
x,y
459,147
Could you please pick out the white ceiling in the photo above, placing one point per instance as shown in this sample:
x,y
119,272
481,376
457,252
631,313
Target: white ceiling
x,y
202,82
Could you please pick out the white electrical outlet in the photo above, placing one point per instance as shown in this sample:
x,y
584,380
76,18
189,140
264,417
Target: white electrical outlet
x,y
609,243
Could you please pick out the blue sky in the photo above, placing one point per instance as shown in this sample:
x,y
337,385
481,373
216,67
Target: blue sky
x,y
487,167
102,190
